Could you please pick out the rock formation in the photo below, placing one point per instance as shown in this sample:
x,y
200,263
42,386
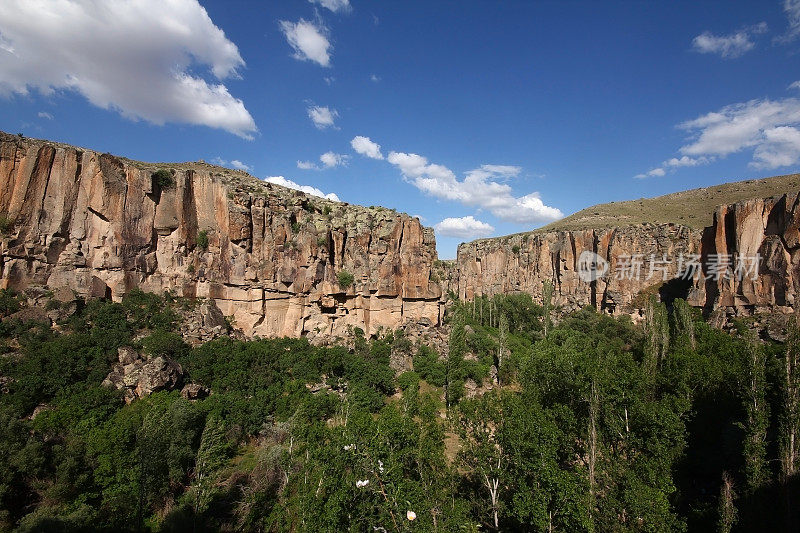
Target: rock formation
x,y
279,262
663,254
137,376
270,257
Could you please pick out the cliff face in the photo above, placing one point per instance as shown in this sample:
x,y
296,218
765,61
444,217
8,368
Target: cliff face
x,y
649,259
101,225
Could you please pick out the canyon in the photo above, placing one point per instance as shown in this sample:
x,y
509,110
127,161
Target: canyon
x,y
279,262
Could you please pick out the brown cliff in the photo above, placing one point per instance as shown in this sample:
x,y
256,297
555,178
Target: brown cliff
x,y
103,225
766,228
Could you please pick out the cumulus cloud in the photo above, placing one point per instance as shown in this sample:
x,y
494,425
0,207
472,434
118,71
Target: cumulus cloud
x,y
307,165
768,127
464,228
238,165
333,5
781,148
739,126
365,147
106,51
481,187
313,191
309,41
235,163
728,46
328,160
331,159
673,163
322,117
44,114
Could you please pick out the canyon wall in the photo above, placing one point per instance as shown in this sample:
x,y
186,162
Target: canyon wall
x,y
760,236
270,257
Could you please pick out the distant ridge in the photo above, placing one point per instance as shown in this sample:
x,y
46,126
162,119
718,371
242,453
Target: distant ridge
x,y
693,208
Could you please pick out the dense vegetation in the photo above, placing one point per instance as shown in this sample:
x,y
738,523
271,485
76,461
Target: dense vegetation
x,y
590,424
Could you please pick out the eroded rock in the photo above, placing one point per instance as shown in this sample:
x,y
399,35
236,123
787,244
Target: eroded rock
x,y
138,376
268,256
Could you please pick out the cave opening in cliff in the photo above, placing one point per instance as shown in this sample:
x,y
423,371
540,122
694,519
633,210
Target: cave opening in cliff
x,y
674,289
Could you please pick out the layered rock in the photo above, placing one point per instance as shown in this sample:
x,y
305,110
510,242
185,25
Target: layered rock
x,y
650,259
270,257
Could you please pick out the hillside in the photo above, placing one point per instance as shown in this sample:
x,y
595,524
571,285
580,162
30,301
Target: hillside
x,y
693,208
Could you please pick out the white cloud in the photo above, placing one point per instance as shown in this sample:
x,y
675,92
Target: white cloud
x,y
238,165
322,117
728,46
328,159
768,127
795,85
375,78
365,146
139,58
781,148
44,114
333,5
479,188
684,161
331,159
464,228
739,126
309,41
792,9
235,163
313,191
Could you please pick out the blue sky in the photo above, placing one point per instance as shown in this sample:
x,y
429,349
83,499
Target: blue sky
x,y
491,117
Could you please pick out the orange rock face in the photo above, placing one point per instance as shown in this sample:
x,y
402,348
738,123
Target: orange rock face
x,y
102,225
760,236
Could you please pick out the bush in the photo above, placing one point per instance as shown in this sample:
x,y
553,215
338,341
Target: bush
x,y
165,344
345,279
163,179
295,227
515,249
202,240
9,302
6,224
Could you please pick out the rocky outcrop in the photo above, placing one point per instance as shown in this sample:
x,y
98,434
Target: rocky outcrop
x,y
650,259
137,376
270,257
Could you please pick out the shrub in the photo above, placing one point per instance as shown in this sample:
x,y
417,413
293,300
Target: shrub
x,y
163,179
295,227
326,210
165,344
515,249
9,302
408,380
202,240
6,224
322,241
345,279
